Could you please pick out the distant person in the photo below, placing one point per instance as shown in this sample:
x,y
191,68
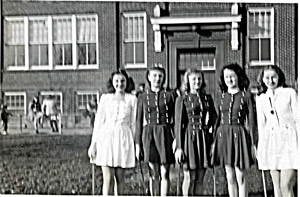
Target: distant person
x,y
141,89
36,114
50,111
91,109
5,117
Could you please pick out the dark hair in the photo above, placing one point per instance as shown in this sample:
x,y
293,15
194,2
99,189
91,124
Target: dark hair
x,y
243,80
129,82
187,83
160,69
262,88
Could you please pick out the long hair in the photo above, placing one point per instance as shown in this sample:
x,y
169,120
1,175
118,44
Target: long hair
x,y
262,88
129,82
243,80
186,83
160,69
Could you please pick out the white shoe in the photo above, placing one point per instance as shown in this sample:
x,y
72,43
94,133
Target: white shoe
x,y
4,133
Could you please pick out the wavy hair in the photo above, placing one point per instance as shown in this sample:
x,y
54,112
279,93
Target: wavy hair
x,y
262,88
160,69
186,83
129,82
243,80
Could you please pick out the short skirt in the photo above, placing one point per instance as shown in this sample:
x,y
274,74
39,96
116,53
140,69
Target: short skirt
x,y
157,144
277,148
232,147
196,148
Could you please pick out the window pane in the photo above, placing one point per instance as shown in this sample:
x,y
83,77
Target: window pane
x,y
34,54
68,54
125,28
265,49
141,27
20,55
57,53
139,52
10,56
128,52
81,54
254,49
253,24
92,54
44,54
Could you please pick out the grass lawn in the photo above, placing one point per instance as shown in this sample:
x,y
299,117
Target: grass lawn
x,y
58,164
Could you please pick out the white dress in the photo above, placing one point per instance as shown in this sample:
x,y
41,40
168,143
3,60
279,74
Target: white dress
x,y
114,131
277,129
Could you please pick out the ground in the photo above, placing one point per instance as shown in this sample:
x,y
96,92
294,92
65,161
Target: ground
x,y
55,164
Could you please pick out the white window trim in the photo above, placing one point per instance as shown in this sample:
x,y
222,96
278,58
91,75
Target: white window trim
x,y
19,68
17,94
272,37
65,67
89,66
136,14
85,93
50,65
47,93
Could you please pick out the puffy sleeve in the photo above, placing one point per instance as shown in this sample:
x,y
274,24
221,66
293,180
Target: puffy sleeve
x,y
180,122
139,120
99,119
261,118
252,118
133,115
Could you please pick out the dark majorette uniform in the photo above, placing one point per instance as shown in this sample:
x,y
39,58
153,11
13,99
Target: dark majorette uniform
x,y
233,140
194,115
154,125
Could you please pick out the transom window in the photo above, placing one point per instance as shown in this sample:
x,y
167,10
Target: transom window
x,y
15,101
134,40
261,36
204,58
51,42
83,98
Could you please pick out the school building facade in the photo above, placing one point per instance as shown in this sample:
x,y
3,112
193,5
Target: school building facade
x,y
69,48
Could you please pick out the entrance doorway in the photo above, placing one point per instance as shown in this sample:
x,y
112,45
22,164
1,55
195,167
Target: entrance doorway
x,y
206,55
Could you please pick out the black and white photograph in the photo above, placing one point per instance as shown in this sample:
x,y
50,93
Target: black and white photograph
x,y
149,98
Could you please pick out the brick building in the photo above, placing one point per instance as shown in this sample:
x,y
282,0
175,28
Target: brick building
x,y
68,49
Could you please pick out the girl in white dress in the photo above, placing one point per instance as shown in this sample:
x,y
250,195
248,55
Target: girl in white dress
x,y
276,117
112,145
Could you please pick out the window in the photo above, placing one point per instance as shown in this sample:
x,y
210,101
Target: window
x,y
51,42
15,44
261,36
134,40
58,98
15,101
38,42
204,58
83,98
62,42
86,41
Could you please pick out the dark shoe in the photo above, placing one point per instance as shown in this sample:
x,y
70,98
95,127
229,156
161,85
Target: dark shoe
x,y
37,131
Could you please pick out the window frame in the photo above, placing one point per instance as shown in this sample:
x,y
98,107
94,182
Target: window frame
x,y
16,94
272,36
78,108
6,43
50,66
54,93
88,66
134,14
73,65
